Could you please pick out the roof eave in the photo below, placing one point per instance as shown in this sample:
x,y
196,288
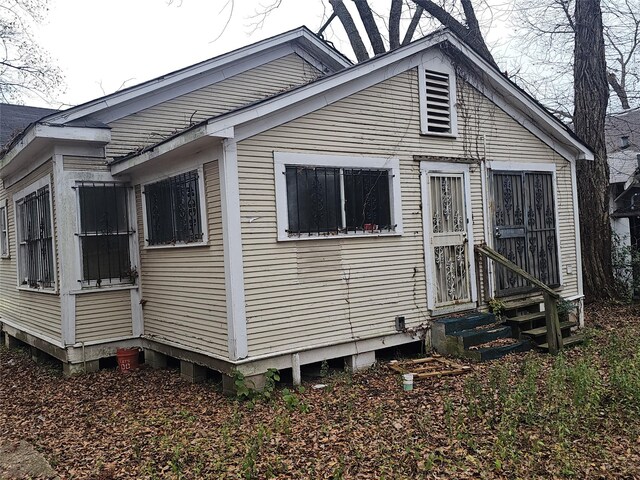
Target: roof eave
x,y
38,137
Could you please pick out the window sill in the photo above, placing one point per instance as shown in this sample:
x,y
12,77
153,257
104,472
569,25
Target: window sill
x,y
46,291
5,257
452,136
177,245
106,288
338,236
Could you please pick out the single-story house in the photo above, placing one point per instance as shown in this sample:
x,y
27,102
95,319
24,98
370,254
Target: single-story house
x,y
277,206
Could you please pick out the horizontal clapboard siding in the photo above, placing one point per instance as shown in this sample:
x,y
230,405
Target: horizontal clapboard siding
x,y
85,163
300,294
38,312
184,288
151,125
103,315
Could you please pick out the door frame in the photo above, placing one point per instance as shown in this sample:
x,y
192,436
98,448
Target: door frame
x,y
492,165
426,168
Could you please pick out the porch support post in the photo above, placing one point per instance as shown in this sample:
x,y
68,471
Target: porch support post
x,y
554,335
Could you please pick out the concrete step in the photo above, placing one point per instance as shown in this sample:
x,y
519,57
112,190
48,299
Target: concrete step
x,y
467,322
477,336
541,331
566,342
493,353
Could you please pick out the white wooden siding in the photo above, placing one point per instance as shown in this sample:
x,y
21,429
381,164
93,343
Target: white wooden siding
x,y
184,287
153,124
103,315
38,312
306,293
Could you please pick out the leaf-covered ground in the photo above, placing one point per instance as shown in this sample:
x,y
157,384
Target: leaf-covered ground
x,y
526,416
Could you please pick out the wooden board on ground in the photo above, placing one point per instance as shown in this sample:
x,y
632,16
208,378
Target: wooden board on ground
x,y
434,366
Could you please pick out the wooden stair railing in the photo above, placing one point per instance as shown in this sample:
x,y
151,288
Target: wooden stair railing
x,y
554,334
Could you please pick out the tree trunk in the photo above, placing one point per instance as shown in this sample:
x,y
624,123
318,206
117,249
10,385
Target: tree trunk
x,y
620,90
591,98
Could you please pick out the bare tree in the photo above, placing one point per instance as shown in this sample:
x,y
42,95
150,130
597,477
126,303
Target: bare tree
x,y
545,32
591,97
25,68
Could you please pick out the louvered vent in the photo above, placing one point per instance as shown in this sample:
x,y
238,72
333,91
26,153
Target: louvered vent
x,y
438,102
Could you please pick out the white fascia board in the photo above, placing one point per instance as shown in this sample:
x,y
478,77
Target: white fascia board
x,y
179,141
222,67
539,115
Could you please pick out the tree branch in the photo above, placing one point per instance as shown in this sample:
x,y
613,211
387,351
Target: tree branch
x,y
352,31
394,24
619,90
370,26
415,20
473,38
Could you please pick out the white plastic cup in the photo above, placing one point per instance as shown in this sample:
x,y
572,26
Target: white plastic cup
x,y
407,381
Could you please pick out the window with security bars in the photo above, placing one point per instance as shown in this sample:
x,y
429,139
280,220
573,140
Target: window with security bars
x,y
438,100
325,200
105,234
4,231
35,240
173,210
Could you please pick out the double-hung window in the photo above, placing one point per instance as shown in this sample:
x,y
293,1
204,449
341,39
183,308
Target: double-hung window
x,y
324,196
174,210
36,265
105,234
4,230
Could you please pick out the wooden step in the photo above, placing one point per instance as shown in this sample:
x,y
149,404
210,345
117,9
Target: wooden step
x,y
566,342
465,322
524,303
537,332
522,319
493,353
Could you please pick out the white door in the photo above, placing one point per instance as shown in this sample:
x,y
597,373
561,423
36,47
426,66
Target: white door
x,y
448,236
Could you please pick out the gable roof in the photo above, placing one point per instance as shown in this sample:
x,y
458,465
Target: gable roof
x,y
15,118
264,114
302,40
623,124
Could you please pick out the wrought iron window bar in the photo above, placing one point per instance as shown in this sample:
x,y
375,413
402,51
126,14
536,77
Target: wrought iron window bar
x,y
173,210
332,201
105,234
36,240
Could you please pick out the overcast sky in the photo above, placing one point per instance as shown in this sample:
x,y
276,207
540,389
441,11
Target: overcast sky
x,y
102,46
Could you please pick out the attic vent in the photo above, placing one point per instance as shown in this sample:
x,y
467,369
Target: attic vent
x,y
438,102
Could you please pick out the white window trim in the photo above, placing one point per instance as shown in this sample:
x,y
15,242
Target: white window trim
x,y
441,66
284,159
529,167
133,237
17,197
203,209
5,214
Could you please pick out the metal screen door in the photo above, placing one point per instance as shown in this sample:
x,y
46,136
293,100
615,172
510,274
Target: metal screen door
x,y
525,229
448,240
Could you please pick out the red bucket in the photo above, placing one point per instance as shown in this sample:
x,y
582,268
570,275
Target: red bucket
x,y
127,359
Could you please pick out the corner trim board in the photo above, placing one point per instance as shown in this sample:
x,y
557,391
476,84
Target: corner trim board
x,y
232,242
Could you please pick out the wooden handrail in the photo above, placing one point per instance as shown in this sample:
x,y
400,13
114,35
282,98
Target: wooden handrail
x,y
554,334
485,250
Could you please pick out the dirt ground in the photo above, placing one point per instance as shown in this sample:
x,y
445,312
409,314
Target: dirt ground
x,y
525,416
